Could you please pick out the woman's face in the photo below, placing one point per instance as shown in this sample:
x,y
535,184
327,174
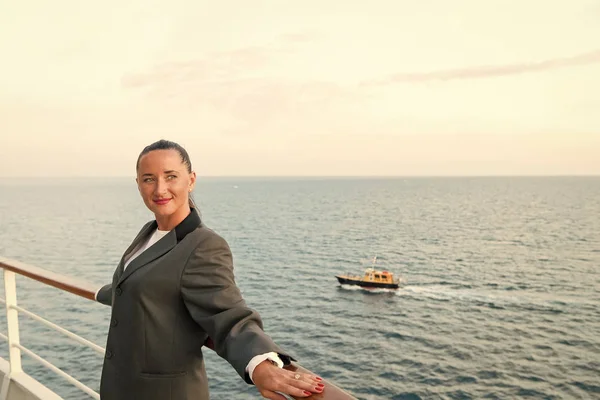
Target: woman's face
x,y
165,184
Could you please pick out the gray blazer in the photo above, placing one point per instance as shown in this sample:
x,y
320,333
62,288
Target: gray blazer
x,y
165,305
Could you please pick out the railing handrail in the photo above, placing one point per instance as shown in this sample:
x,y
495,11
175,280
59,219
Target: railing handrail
x,y
59,281
88,291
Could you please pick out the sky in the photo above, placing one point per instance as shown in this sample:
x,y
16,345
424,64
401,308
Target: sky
x,y
302,88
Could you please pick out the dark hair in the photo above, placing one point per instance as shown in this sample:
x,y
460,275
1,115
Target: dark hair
x,y
168,145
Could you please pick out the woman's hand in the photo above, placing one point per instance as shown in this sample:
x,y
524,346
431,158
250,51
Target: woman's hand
x,y
269,379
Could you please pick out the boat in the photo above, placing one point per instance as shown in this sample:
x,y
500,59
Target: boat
x,y
372,278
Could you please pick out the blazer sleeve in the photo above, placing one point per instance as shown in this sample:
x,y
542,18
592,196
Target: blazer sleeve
x,y
214,301
104,295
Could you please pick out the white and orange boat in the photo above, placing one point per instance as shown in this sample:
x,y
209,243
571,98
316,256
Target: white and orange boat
x,y
372,278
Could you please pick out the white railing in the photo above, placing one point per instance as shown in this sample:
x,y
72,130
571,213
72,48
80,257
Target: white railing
x,y
15,347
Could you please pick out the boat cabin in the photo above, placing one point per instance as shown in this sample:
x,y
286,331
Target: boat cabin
x,y
378,276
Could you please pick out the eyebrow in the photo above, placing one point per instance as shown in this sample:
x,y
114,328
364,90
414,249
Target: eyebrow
x,y
164,172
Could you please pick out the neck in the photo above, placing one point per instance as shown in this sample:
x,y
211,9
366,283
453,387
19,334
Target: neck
x,y
169,222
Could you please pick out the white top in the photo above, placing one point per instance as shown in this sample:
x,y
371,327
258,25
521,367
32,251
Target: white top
x,y
155,237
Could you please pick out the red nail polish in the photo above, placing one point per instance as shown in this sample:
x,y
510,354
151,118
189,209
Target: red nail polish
x,y
319,379
306,392
320,385
319,389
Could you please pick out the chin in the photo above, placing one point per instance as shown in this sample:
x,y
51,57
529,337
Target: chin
x,y
162,210
161,213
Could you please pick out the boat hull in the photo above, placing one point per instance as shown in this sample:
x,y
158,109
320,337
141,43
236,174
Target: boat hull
x,y
358,282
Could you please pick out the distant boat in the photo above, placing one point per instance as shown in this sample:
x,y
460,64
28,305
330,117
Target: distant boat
x,y
371,279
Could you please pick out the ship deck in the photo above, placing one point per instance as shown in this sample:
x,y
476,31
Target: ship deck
x,y
20,386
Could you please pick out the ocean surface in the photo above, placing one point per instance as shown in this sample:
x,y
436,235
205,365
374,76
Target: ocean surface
x,y
501,301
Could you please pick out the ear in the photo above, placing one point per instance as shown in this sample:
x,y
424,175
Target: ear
x,y
192,179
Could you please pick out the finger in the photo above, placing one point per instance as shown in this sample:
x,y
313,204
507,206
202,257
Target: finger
x,y
299,389
291,383
267,394
311,380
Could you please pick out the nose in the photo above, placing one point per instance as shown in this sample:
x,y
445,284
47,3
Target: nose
x,y
161,187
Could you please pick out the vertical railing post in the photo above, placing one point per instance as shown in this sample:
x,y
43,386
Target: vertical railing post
x,y
12,321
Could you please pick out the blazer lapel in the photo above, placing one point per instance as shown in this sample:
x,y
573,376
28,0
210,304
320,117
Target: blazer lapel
x,y
141,236
191,222
150,254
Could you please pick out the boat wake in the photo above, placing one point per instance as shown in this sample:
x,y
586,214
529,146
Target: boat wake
x,y
491,299
367,290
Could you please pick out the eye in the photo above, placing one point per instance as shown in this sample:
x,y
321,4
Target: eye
x,y
172,177
148,180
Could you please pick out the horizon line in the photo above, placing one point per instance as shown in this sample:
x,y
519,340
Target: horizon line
x,y
316,176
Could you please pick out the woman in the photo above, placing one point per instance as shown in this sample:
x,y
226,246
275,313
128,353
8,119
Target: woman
x,y
173,289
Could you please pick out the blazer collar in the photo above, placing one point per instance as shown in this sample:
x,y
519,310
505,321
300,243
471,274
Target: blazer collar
x,y
189,224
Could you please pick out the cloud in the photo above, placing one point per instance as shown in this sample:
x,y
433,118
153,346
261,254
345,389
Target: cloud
x,y
232,82
301,37
265,104
222,65
490,71
252,103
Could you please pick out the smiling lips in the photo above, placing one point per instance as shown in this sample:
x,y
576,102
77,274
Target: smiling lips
x,y
161,202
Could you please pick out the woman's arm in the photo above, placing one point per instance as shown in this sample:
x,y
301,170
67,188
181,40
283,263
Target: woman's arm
x,y
104,295
214,301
